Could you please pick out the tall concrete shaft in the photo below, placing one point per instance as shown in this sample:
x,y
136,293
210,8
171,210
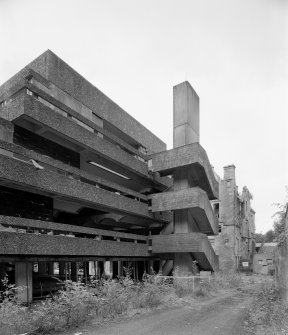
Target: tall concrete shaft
x,y
185,131
185,115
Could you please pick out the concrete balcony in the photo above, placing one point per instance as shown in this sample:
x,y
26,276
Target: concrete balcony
x,y
195,200
24,107
23,175
27,246
26,110
192,157
195,243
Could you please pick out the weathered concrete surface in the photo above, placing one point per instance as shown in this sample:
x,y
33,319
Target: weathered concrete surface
x,y
194,158
60,227
55,70
194,199
77,173
25,244
185,115
52,183
26,106
195,243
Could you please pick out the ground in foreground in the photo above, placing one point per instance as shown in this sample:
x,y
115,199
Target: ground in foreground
x,y
225,313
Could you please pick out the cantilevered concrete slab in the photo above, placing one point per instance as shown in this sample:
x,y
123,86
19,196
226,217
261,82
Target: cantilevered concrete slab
x,y
27,245
195,243
56,71
194,199
25,108
28,107
192,157
25,176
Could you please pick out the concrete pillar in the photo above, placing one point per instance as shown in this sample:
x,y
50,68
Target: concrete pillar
x,y
185,131
86,271
120,269
51,268
42,268
23,278
62,269
74,271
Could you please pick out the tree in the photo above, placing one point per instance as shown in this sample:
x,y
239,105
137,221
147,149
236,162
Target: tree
x,y
259,238
279,217
269,236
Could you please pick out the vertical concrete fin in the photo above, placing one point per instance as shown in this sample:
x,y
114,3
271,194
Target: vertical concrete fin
x,y
185,115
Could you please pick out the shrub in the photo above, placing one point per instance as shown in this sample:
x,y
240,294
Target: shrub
x,y
76,303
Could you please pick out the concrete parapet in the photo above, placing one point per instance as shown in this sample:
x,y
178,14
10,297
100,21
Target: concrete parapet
x,y
195,200
25,244
195,243
52,184
192,157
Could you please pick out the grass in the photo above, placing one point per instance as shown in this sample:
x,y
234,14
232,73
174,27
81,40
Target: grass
x,y
268,314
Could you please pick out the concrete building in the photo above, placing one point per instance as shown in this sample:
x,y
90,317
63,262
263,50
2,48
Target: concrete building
x,y
235,244
86,189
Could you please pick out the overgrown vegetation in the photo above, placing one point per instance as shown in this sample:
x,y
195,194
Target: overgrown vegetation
x,y
77,302
268,314
100,300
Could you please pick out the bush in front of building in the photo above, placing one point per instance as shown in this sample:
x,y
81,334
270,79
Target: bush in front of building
x,y
77,302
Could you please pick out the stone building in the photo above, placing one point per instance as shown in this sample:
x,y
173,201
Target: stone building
x,y
235,244
85,189
264,258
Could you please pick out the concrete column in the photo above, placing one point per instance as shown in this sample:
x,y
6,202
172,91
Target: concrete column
x,y
42,268
120,269
86,271
185,131
51,268
74,271
61,269
23,278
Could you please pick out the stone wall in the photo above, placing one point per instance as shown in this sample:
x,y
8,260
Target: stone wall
x,y
281,264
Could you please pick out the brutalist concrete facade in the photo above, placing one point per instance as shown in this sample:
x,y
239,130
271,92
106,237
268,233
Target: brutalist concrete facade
x,y
83,185
194,185
235,244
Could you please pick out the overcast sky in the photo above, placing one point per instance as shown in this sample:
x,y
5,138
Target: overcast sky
x,y
233,52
